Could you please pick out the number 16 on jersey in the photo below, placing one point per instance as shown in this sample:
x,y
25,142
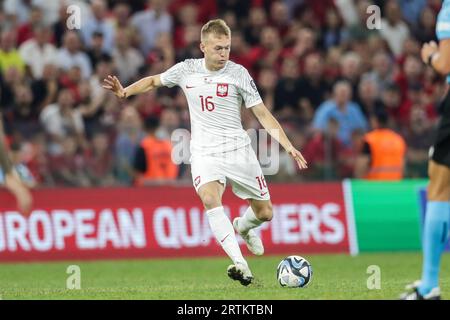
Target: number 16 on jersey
x,y
207,104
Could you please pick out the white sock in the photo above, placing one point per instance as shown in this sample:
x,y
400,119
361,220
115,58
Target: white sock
x,y
249,221
224,232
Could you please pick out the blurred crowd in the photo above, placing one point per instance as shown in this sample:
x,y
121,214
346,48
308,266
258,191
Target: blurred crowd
x,y
68,131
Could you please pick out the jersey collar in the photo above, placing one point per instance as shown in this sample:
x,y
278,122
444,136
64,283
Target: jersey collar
x,y
213,72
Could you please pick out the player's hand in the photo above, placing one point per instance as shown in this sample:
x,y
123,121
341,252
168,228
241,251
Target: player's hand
x,y
113,84
428,49
20,191
298,157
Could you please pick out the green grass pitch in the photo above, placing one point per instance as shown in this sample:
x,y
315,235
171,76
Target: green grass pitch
x,y
334,277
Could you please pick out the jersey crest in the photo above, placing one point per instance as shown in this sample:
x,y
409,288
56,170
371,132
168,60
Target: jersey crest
x,y
222,89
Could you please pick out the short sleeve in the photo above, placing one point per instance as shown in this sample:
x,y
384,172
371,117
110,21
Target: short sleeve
x,y
443,24
248,90
172,77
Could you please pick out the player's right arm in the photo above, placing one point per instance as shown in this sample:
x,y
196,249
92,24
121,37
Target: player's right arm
x,y
144,85
169,78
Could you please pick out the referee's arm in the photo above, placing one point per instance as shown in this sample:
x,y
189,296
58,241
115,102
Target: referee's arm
x,y
437,56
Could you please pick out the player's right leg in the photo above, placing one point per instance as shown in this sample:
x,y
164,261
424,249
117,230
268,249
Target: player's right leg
x,y
435,233
211,196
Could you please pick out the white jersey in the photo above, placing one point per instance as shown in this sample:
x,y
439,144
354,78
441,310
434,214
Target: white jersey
x,y
215,99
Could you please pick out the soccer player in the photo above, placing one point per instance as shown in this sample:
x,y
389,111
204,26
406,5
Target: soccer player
x,y
438,208
12,180
215,88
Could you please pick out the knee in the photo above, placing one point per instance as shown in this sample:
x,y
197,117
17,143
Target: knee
x,y
210,201
265,213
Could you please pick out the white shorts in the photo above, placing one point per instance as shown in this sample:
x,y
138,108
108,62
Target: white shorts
x,y
241,167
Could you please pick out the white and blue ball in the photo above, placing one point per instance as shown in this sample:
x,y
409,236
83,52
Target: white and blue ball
x,y
294,272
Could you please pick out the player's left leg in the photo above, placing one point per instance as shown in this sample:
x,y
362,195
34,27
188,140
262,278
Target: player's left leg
x,y
435,233
257,213
436,225
249,183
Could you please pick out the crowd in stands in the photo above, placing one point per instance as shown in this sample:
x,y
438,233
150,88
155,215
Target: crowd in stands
x,y
318,65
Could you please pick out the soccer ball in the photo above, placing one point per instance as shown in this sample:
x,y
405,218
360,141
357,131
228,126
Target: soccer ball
x,y
294,272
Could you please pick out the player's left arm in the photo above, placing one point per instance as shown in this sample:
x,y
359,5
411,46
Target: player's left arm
x,y
437,56
274,128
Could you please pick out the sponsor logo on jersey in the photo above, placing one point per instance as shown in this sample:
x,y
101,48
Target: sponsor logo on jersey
x,y
252,83
222,89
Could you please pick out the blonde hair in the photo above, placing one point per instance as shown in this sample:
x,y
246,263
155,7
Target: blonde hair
x,y
217,27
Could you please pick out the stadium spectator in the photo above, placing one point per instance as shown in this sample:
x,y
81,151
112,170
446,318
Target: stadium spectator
x,y
96,53
392,100
382,69
412,10
241,8
99,161
287,90
351,69
98,24
163,55
368,96
121,18
38,51
424,30
153,159
347,113
26,30
128,138
267,80
151,23
333,32
324,151
127,60
279,17
71,55
69,167
269,50
411,74
9,55
384,151
349,155
416,98
45,89
11,78
59,27
357,30
393,29
25,113
17,11
313,88
419,137
61,120
187,17
242,53
257,20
